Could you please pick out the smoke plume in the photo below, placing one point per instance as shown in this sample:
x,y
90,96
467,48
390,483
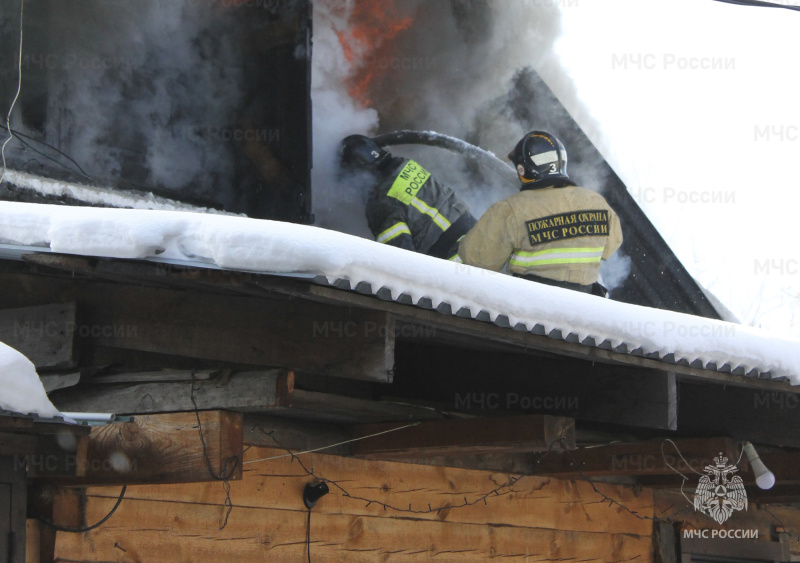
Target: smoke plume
x,y
464,68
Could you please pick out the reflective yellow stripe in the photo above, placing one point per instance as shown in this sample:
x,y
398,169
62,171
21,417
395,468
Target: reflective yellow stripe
x,y
526,259
555,261
393,232
408,182
431,212
456,258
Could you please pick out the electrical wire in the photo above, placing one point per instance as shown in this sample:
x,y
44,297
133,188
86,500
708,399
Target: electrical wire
x,y
87,528
19,88
308,536
759,4
295,454
512,480
225,474
21,136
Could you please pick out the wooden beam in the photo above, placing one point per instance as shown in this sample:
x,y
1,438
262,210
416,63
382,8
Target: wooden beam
x,y
327,407
274,481
305,435
44,334
246,391
270,331
166,448
639,458
785,466
495,435
295,435
177,532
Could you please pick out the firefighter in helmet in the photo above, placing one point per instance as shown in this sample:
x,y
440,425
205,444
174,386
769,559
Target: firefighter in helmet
x,y
552,231
407,207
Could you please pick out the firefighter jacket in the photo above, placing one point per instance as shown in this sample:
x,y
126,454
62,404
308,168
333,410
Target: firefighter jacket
x,y
555,233
410,209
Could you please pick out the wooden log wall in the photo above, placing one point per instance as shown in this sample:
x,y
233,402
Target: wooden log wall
x,y
535,519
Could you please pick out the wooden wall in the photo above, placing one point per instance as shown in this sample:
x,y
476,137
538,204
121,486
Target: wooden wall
x,y
536,519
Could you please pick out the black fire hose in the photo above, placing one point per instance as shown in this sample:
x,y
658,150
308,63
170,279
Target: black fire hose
x,y
452,144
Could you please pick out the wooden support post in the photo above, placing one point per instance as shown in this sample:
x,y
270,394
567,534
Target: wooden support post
x,y
166,448
44,334
466,437
13,503
665,543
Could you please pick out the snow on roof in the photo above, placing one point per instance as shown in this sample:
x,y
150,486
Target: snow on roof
x,y
22,390
98,195
253,245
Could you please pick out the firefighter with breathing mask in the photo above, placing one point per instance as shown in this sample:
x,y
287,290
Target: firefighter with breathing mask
x,y
407,207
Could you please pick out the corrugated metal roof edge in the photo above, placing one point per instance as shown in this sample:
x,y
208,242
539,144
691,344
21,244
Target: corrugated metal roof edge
x,y
501,320
539,329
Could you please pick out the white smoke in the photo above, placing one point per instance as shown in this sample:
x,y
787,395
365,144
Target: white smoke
x,y
337,205
615,270
452,71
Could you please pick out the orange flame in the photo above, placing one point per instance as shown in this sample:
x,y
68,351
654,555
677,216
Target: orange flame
x,y
372,24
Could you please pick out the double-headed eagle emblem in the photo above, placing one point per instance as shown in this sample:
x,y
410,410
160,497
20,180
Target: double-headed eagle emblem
x,y
720,492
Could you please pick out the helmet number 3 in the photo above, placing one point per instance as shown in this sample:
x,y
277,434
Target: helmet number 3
x,y
553,168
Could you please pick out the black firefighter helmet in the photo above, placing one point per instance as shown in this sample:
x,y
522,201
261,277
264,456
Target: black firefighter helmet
x,y
358,151
539,157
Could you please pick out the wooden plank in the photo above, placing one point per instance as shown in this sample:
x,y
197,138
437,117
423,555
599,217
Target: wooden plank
x,y
190,532
326,407
494,435
269,332
785,466
520,464
246,391
639,458
278,483
33,540
44,334
152,376
165,448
